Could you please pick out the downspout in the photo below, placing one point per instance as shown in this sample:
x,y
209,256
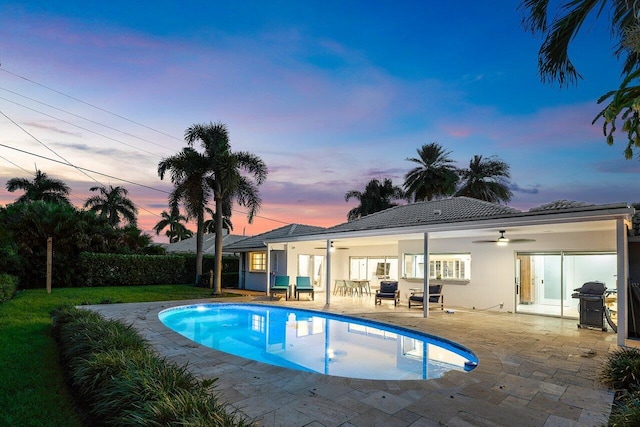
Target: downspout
x,y
328,275
268,290
425,295
622,249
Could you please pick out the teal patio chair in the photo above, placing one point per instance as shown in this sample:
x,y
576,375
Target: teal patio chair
x,y
303,284
281,286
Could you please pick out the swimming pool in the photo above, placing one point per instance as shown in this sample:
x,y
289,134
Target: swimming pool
x,y
319,342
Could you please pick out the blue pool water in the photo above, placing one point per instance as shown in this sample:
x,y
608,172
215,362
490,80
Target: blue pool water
x,y
318,342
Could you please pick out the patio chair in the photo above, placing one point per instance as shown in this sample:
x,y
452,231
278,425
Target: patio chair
x,y
303,284
388,290
435,297
281,286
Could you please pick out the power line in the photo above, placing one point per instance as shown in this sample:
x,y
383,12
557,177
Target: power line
x,y
127,181
83,118
18,166
78,126
45,146
85,169
97,133
89,104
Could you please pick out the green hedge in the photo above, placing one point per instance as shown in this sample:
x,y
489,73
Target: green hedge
x,y
8,286
124,270
230,272
118,381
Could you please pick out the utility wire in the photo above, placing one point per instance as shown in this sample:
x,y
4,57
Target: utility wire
x,y
47,147
127,181
67,161
85,169
90,105
18,166
88,130
84,118
78,126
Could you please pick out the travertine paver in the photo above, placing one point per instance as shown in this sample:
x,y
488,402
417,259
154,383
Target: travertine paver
x,y
533,371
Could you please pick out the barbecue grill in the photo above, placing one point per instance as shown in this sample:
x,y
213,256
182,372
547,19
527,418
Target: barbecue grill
x,y
591,306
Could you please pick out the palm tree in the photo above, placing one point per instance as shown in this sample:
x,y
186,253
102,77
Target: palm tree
x,y
41,187
231,176
486,179
376,197
113,205
554,64
434,177
210,224
174,220
191,185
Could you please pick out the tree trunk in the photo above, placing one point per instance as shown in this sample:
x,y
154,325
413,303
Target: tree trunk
x,y
217,266
199,240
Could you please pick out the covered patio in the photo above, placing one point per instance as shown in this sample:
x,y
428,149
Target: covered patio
x,y
457,243
533,371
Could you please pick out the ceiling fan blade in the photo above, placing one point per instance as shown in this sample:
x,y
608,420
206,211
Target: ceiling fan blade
x,y
484,241
521,240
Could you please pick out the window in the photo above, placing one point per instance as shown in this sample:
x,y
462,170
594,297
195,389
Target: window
x,y
369,268
313,267
441,266
257,261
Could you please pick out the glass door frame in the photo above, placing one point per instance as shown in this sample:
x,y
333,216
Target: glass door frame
x,y
563,275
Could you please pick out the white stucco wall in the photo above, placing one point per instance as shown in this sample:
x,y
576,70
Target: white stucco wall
x,y
492,267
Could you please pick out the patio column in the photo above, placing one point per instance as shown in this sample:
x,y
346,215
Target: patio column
x,y
425,295
623,278
328,275
268,270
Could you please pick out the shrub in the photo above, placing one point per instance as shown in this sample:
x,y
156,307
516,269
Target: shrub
x,y
120,382
126,270
8,286
622,369
626,411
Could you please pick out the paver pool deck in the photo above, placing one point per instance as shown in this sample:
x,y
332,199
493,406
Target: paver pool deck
x,y
533,371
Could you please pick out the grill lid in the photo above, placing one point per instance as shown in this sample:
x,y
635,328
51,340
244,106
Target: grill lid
x,y
592,288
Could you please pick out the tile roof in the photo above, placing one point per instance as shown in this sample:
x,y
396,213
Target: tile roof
x,y
454,209
560,204
208,244
257,242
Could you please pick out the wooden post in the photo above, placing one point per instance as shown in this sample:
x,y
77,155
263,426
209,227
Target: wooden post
x,y
210,279
49,262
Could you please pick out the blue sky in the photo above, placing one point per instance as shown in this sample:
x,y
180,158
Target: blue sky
x,y
329,94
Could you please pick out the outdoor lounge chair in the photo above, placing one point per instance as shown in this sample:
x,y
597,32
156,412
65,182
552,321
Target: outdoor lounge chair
x,y
303,284
435,297
281,286
388,290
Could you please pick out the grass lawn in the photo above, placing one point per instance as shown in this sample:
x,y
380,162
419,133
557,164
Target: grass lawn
x,y
32,391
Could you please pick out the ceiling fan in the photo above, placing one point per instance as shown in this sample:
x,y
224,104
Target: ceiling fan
x,y
333,248
503,241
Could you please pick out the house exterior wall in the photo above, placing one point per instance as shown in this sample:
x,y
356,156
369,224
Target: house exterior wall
x,y
257,281
493,267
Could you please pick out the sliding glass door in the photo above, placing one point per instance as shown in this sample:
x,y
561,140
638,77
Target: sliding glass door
x,y
545,281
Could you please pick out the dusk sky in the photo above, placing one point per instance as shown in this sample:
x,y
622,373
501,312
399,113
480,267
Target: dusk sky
x,y
329,94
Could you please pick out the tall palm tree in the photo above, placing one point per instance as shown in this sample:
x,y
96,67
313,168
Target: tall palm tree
x,y
190,176
174,221
113,205
231,176
486,179
434,177
561,26
41,187
377,196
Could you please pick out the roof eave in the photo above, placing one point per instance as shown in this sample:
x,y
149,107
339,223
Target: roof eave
x,y
611,212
